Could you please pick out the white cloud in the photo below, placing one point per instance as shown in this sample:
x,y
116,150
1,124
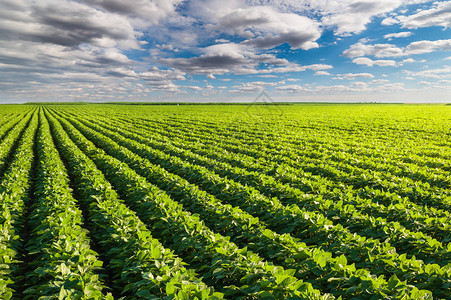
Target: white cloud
x,y
402,34
377,81
292,88
389,21
167,47
317,67
440,73
238,59
346,16
47,42
217,59
359,85
261,26
397,86
267,28
81,47
122,72
411,60
254,86
267,76
421,47
352,76
439,15
352,16
150,11
324,73
332,89
192,87
297,68
69,24
155,75
389,50
369,62
377,50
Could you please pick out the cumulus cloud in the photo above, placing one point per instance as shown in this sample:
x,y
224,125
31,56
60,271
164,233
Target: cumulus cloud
x,y
297,68
384,62
439,15
62,33
396,86
94,48
322,73
235,58
378,81
402,34
260,26
389,21
291,88
352,76
411,60
267,28
439,73
167,47
49,41
152,11
254,86
369,62
50,58
217,59
345,16
333,89
192,87
353,16
377,50
155,74
421,47
69,24
390,50
359,85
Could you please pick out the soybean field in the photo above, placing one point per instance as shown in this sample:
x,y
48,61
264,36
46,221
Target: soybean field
x,y
305,201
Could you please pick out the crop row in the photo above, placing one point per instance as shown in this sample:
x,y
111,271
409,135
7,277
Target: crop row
x,y
236,159
183,231
379,195
216,183
61,261
177,205
309,263
431,220
140,266
341,166
14,197
314,145
172,188
12,133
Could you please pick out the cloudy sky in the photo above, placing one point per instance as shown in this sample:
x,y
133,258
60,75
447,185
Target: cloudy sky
x,y
216,50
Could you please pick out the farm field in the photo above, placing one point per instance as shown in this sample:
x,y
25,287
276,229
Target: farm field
x,y
311,201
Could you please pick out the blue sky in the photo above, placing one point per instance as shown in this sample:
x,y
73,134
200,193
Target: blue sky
x,y
228,51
